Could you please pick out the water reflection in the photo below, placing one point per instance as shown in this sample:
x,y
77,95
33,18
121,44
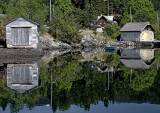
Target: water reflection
x,y
23,77
137,58
102,67
80,81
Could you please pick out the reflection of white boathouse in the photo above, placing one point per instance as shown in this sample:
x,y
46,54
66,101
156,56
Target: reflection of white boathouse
x,y
22,77
140,58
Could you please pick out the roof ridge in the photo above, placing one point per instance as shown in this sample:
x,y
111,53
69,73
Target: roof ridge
x,y
23,18
136,26
138,22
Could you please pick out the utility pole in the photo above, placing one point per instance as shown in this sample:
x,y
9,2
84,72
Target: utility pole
x,y
53,11
157,21
131,14
51,87
108,7
50,11
108,79
112,8
131,76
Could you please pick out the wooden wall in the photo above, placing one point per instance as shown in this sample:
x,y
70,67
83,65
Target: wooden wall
x,y
130,36
19,30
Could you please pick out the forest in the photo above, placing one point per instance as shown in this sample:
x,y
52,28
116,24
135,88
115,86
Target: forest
x,y
68,16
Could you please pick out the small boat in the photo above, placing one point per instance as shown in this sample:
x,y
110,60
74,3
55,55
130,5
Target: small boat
x,y
111,49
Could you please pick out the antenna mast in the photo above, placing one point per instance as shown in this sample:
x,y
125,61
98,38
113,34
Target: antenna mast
x,y
108,7
131,14
50,11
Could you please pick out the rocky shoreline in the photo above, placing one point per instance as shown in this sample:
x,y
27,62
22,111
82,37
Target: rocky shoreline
x,y
47,47
92,43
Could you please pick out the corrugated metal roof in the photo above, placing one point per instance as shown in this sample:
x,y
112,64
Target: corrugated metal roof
x,y
24,19
135,63
137,26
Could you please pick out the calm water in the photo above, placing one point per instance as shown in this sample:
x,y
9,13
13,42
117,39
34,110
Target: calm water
x,y
122,81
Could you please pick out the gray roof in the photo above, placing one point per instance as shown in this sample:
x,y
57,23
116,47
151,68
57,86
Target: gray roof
x,y
23,90
137,26
135,63
24,19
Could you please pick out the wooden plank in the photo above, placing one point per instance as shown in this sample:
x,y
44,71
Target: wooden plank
x,y
20,36
21,75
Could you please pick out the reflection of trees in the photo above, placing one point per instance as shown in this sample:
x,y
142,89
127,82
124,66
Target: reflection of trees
x,y
17,101
79,84
143,79
140,78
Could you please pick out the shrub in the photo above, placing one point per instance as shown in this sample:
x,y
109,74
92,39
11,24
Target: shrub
x,y
63,27
112,30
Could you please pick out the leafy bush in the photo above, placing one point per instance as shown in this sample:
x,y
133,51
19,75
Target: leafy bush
x,y
63,26
112,30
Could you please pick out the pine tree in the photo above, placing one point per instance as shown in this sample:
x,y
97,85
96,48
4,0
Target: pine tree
x,y
99,6
64,5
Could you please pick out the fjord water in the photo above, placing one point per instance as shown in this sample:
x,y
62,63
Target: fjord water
x,y
84,82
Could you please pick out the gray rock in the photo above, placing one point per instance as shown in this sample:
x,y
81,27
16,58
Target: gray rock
x,y
51,44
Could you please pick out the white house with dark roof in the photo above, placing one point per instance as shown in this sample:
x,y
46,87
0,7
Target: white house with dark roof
x,y
22,33
138,31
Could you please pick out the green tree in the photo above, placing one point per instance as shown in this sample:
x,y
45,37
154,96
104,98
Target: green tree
x,y
156,4
142,10
63,26
99,6
89,15
3,6
64,5
143,79
112,30
33,9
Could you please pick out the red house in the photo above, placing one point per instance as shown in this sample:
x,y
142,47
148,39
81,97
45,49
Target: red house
x,y
102,20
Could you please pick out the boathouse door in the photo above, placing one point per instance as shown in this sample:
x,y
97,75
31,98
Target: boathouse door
x,y
147,36
20,36
21,75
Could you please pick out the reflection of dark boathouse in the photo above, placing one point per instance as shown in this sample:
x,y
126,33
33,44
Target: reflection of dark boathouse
x,y
140,58
22,33
22,77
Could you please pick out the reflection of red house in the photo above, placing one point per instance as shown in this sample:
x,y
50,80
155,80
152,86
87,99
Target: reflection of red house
x,y
102,65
